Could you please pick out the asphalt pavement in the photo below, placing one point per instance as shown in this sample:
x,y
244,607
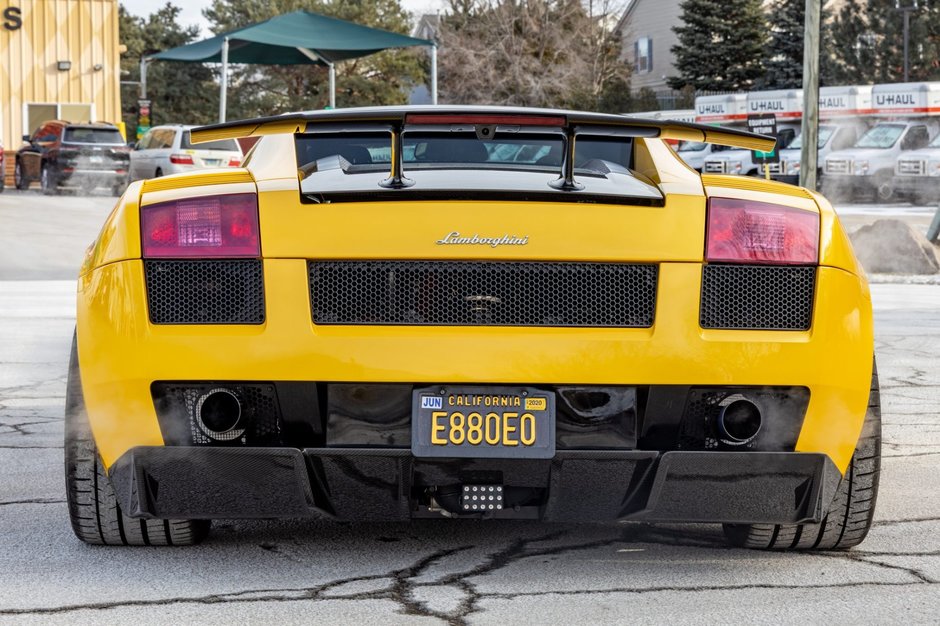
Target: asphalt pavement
x,y
434,571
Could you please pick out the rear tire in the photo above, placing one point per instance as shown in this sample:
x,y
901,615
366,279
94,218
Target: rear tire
x,y
47,181
19,177
93,508
851,512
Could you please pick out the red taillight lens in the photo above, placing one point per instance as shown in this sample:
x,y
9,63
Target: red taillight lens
x,y
212,226
234,162
181,159
742,231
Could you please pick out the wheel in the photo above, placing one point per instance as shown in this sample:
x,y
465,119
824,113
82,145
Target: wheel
x,y
47,181
19,177
158,173
884,188
850,514
93,508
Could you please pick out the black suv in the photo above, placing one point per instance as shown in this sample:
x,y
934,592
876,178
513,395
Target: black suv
x,y
62,154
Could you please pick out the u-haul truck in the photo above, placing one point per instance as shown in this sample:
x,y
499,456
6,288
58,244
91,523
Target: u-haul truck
x,y
908,117
723,110
917,172
844,115
787,107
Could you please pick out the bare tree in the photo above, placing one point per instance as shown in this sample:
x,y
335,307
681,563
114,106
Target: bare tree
x,y
529,53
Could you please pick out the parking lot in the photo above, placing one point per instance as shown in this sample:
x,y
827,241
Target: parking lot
x,y
438,571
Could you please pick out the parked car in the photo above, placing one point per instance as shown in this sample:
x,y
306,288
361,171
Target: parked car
x,y
61,154
165,150
397,313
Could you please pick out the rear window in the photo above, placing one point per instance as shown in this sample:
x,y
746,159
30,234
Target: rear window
x,y
92,135
228,145
458,149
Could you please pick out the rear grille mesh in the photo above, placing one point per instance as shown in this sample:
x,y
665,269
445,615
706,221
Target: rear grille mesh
x,y
459,293
757,297
205,291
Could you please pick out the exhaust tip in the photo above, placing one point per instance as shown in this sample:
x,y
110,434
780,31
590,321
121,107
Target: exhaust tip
x,y
739,422
219,415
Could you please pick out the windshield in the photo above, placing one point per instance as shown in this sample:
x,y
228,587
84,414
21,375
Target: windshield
x,y
228,145
93,135
881,136
935,143
429,149
825,133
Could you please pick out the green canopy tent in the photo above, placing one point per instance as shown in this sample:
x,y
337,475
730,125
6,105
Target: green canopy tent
x,y
298,38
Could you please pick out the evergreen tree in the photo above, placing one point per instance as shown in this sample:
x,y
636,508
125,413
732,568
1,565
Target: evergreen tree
x,y
784,55
868,42
382,78
721,45
178,90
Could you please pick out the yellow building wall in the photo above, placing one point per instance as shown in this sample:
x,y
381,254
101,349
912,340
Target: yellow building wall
x,y
84,32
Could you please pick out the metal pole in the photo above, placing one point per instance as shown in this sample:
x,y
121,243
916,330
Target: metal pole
x,y
223,93
332,85
907,35
809,153
143,78
434,74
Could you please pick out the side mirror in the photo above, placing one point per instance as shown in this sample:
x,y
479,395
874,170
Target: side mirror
x,y
26,138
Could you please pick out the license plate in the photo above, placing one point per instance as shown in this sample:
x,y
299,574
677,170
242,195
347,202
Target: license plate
x,y
212,161
96,160
483,422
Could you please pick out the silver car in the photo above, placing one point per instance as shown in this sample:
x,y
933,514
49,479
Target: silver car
x,y
165,150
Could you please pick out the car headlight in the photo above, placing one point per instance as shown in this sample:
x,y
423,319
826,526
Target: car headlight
x,y
934,168
793,167
860,167
737,167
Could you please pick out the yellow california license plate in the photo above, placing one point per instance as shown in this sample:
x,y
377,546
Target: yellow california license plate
x,y
483,422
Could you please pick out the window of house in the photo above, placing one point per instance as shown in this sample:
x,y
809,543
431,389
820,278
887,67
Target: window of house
x,y
38,113
643,55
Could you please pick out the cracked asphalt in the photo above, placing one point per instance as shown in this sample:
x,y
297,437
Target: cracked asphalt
x,y
457,572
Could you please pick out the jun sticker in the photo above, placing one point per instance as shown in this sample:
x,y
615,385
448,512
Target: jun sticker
x,y
432,402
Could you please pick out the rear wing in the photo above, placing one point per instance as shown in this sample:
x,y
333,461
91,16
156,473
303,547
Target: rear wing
x,y
399,117
484,121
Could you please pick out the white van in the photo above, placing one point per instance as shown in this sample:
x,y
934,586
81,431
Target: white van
x,y
907,114
844,115
787,106
165,150
722,110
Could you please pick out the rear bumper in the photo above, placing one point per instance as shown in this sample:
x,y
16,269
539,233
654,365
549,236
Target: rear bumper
x,y
99,177
384,484
121,354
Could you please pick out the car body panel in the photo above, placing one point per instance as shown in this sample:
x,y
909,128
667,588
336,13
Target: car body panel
x,y
122,354
118,370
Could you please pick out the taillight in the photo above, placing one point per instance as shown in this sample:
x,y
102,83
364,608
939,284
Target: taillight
x,y
234,162
211,226
743,231
181,159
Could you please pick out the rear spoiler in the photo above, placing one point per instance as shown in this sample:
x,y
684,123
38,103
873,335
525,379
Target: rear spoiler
x,y
398,117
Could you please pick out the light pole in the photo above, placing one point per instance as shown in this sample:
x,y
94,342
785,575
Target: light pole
x,y
906,10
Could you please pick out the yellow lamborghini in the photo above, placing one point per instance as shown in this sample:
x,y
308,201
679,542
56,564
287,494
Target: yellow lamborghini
x,y
483,312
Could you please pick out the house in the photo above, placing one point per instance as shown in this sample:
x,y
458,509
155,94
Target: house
x,y
646,32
